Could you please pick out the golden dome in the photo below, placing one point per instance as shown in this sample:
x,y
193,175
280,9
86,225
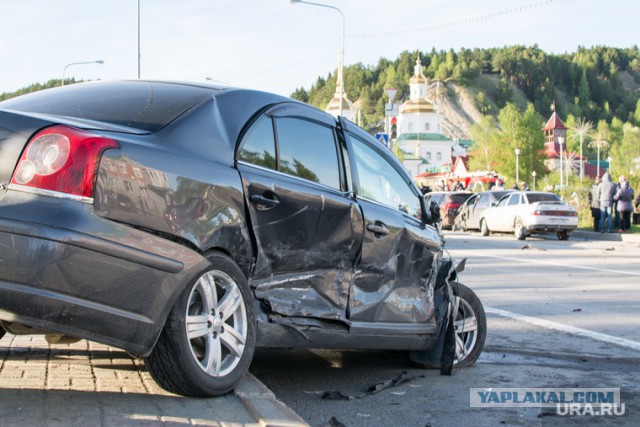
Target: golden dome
x,y
419,106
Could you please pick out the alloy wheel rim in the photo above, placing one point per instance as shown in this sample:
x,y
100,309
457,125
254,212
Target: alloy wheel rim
x,y
466,327
216,323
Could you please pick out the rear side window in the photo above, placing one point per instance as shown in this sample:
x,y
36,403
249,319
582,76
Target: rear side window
x,y
307,150
148,106
259,146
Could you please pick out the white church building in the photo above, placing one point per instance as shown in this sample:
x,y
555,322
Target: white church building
x,y
419,130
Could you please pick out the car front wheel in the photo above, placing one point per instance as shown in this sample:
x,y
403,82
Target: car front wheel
x,y
519,230
209,338
470,326
484,230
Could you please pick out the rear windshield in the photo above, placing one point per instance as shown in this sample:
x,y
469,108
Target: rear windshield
x,y
148,106
459,198
536,197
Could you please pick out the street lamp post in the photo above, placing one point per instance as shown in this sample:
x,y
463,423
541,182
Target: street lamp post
x,y
99,61
517,165
533,176
340,65
561,142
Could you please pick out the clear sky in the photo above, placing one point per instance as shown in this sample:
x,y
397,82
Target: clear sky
x,y
276,46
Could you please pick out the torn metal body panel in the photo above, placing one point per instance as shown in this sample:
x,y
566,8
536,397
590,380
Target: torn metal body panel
x,y
394,279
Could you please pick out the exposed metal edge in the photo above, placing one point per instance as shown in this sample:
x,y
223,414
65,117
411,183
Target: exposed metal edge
x,y
263,406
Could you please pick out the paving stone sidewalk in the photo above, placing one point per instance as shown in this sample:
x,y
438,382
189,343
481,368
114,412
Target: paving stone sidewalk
x,y
90,384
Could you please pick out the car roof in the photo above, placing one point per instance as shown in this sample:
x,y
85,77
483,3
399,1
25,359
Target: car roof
x,y
145,105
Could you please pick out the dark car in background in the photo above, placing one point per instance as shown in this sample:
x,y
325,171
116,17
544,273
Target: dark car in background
x,y
448,203
468,217
190,223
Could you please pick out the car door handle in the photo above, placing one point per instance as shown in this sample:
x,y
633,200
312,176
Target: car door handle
x,y
264,202
378,228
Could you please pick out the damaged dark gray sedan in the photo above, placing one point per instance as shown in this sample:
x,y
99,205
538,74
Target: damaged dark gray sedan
x,y
189,224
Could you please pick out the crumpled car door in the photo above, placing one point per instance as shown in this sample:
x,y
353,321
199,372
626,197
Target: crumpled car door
x,y
393,282
308,232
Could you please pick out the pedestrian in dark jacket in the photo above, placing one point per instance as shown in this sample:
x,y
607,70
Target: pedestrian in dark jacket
x,y
624,196
606,191
594,203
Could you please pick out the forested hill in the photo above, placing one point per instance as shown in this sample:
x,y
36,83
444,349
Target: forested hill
x,y
599,83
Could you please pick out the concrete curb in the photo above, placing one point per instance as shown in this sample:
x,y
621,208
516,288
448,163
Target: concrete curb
x,y
610,237
262,404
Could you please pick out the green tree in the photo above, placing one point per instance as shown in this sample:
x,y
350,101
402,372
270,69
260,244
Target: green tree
x,y
485,137
626,153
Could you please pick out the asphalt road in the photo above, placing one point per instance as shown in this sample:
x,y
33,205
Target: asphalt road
x,y
560,315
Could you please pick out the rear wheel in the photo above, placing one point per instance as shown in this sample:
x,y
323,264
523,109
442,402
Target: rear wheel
x,y
563,235
484,230
519,230
209,338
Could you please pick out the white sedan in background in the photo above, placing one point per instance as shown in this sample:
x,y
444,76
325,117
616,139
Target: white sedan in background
x,y
527,212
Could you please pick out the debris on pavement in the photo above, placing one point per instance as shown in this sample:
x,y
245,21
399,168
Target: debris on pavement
x,y
398,379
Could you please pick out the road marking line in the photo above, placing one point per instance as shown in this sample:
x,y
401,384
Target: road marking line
x,y
634,345
532,261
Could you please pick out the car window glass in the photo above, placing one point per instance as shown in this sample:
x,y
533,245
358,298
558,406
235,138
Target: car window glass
x,y
308,150
459,198
514,200
258,146
543,197
381,182
503,201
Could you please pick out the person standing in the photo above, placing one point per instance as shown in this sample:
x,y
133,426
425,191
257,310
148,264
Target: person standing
x,y
606,191
636,211
624,196
594,203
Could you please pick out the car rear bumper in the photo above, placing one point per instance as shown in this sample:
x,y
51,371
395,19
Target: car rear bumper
x,y
545,228
64,269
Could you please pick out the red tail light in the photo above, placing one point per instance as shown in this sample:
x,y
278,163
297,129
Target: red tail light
x,y
451,205
62,159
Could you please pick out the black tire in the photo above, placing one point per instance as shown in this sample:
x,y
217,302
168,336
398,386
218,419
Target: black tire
x,y
518,230
189,365
484,230
2,331
471,326
563,235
